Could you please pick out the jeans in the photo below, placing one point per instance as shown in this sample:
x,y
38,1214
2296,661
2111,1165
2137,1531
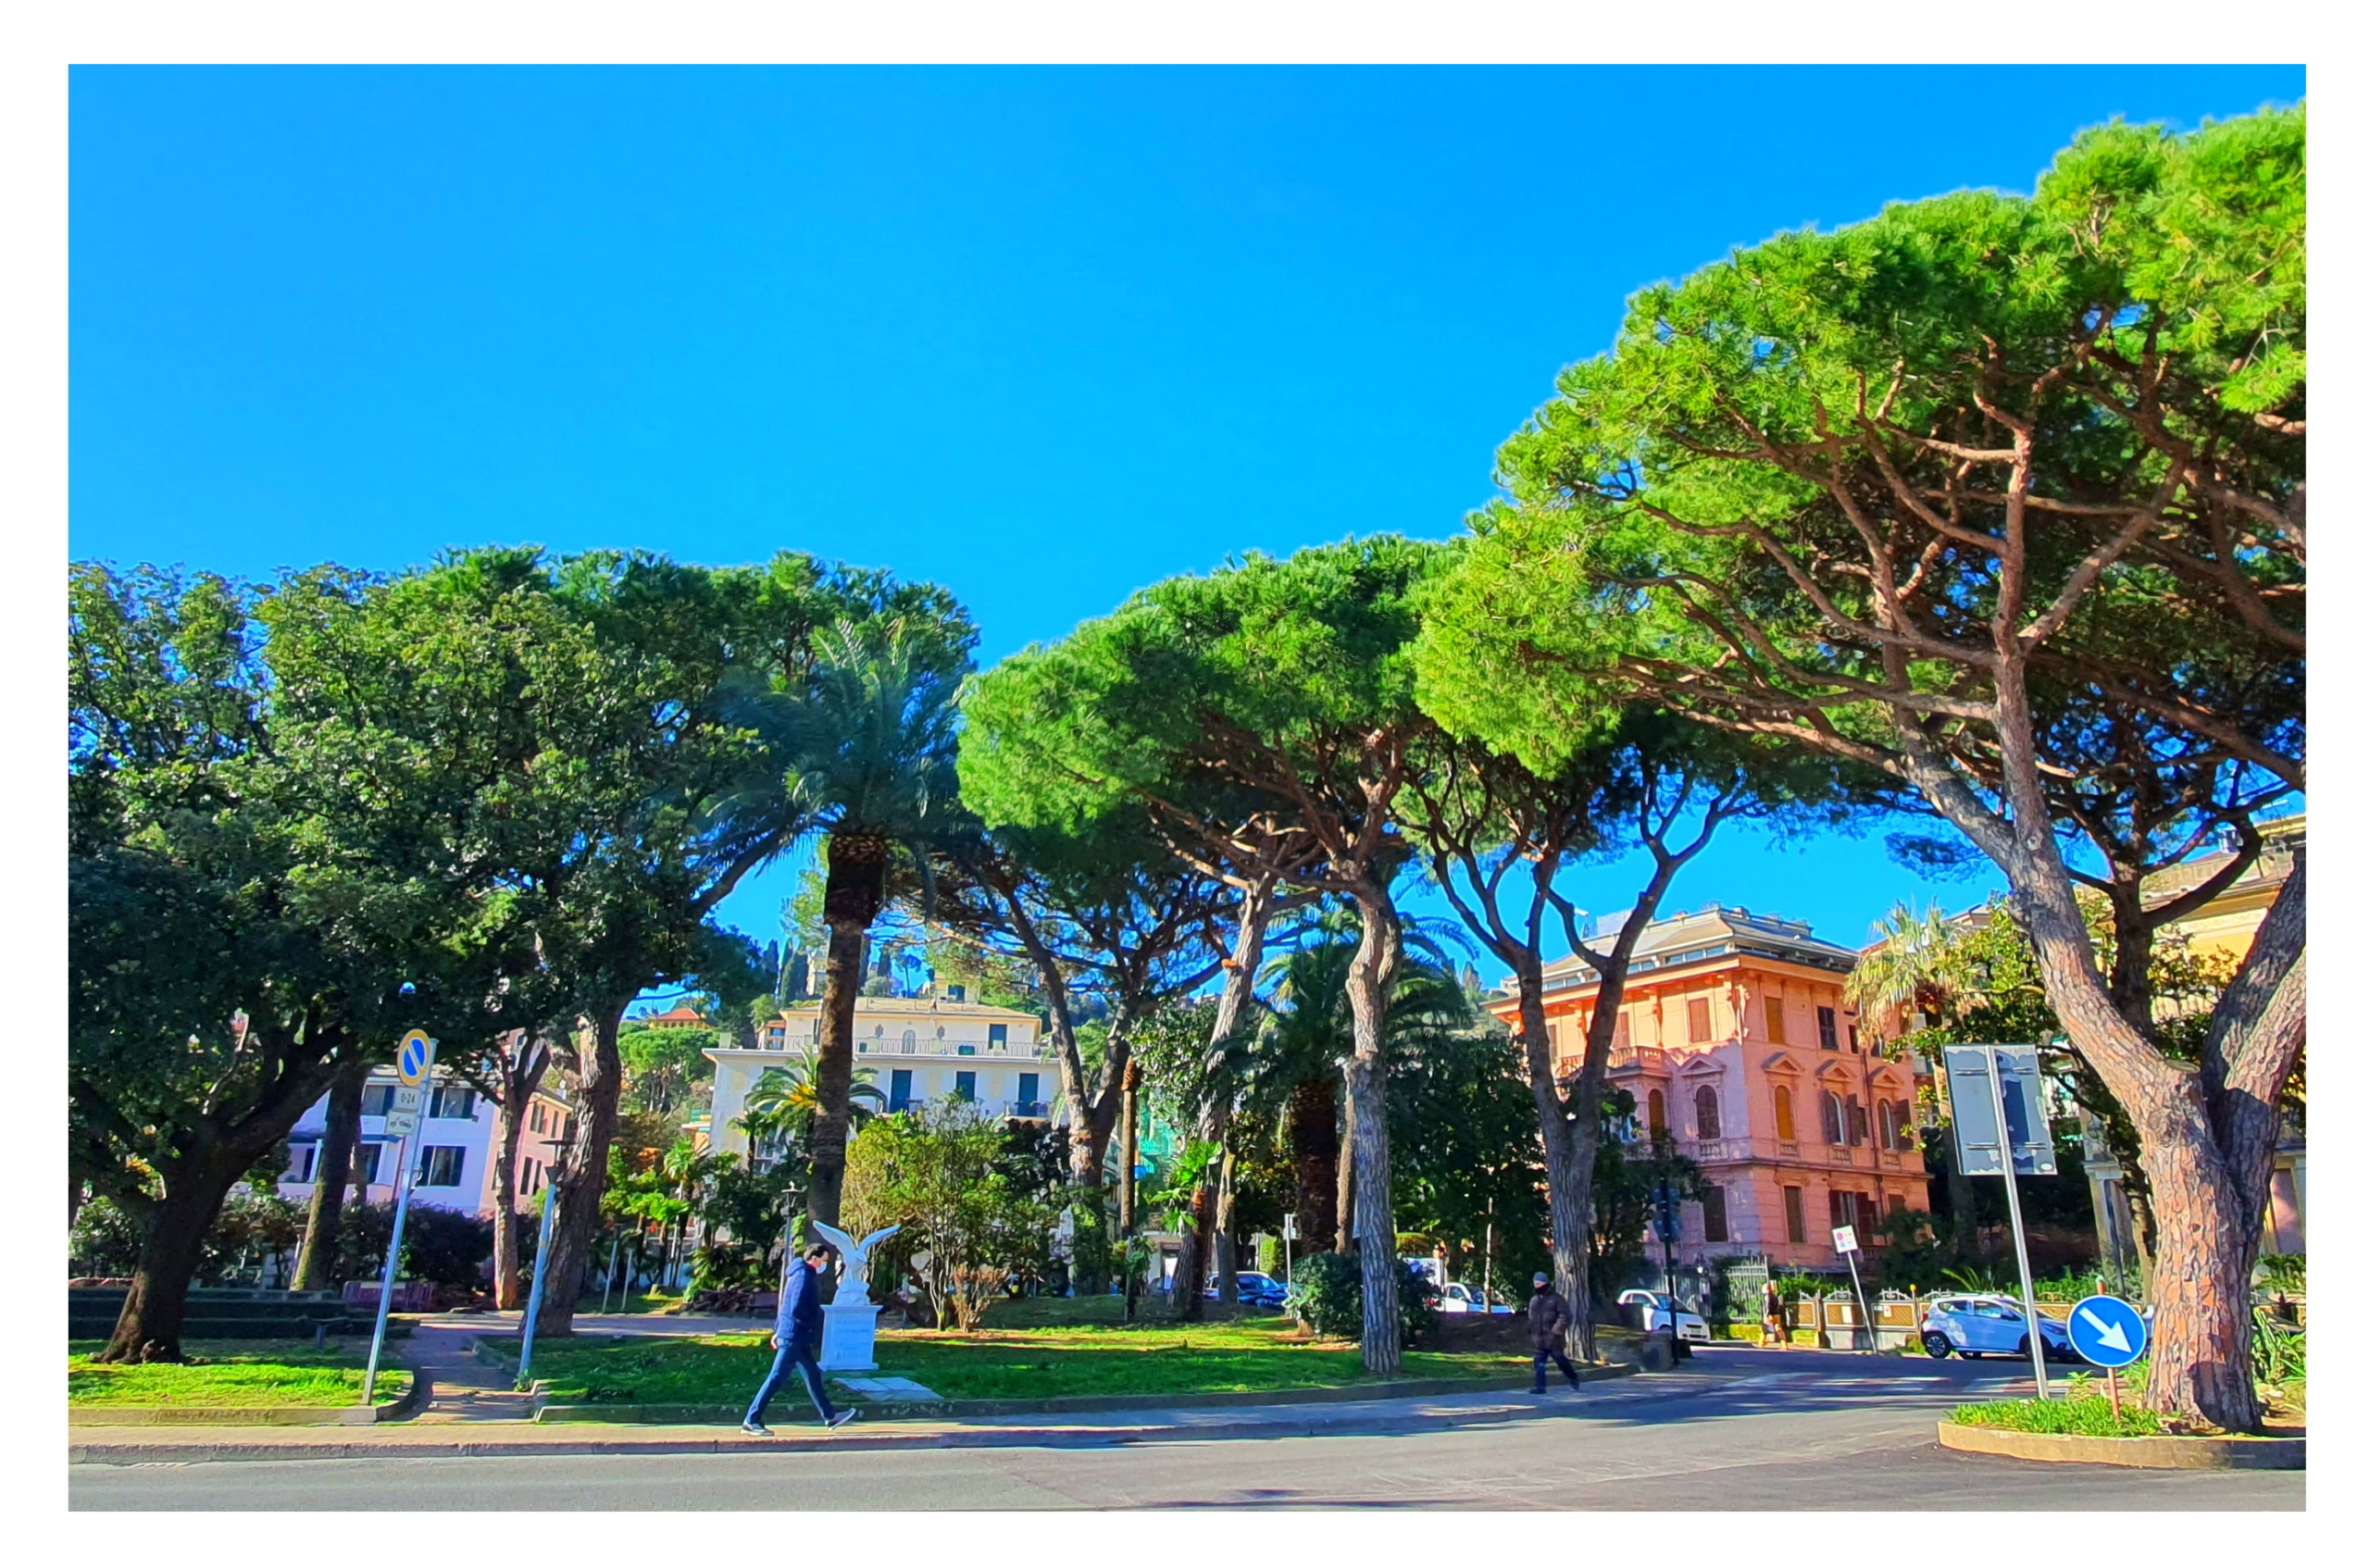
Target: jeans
x,y
1538,1360
794,1352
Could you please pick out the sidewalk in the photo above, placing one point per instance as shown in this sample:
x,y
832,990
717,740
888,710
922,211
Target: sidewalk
x,y
481,1438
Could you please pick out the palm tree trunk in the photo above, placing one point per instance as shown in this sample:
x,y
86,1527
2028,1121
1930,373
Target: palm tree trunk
x,y
1316,1139
854,881
1131,1087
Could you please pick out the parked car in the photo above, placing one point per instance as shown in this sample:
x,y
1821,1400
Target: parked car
x,y
1251,1287
1658,1309
1462,1298
1988,1325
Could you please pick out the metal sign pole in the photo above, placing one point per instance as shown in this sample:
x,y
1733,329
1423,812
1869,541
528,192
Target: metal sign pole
x,y
2017,1222
415,1060
387,1280
1867,1323
535,1293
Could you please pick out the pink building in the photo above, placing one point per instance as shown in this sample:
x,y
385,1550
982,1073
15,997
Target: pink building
x,y
1736,1043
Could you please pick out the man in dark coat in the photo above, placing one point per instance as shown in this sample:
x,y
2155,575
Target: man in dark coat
x,y
798,1336
1550,1317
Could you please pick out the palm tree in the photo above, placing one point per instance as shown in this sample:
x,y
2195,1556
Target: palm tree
x,y
784,1103
865,755
1295,1069
1910,968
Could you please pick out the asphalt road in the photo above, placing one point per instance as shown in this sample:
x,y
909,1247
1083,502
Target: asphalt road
x,y
1787,1431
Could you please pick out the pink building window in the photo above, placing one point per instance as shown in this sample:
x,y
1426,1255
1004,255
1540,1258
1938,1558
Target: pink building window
x,y
1707,1112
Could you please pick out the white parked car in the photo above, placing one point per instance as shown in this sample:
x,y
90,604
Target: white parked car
x,y
1980,1325
1461,1298
1659,1308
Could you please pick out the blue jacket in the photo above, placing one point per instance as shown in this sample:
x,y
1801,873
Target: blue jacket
x,y
800,1322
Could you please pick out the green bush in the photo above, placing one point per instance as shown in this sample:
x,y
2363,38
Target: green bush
x,y
1325,1296
2283,1272
2088,1415
1328,1296
253,1224
2278,1350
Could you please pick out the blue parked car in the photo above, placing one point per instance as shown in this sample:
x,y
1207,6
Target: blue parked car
x,y
1988,1325
1251,1287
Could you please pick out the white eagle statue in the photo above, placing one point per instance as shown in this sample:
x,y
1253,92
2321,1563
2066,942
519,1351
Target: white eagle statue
x,y
854,1255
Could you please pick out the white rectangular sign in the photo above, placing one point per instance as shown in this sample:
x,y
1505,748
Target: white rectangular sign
x,y
1845,1241
408,1098
402,1124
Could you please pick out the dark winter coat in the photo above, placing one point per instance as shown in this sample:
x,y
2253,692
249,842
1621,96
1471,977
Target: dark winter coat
x,y
800,1321
1550,1317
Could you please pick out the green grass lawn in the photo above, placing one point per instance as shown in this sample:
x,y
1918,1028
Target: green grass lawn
x,y
231,1374
2086,1415
1015,1358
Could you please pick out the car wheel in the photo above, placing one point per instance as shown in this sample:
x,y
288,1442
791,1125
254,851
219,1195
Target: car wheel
x,y
1937,1344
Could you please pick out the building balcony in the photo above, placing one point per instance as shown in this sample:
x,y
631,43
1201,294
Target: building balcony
x,y
1629,1059
1790,1151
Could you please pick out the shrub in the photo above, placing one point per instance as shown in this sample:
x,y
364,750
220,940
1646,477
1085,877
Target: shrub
x,y
1419,1318
1328,1296
2283,1272
2088,1415
2278,1350
446,1245
1325,1294
251,1225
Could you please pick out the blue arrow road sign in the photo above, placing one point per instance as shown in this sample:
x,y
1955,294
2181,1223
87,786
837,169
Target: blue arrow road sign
x,y
2108,1331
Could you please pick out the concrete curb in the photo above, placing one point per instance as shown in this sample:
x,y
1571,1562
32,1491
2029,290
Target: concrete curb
x,y
2143,1453
1080,1404
413,1400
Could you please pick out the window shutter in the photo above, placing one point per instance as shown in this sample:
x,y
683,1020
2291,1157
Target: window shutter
x,y
1773,1009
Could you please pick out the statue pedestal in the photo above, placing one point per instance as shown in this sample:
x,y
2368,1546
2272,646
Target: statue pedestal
x,y
848,1328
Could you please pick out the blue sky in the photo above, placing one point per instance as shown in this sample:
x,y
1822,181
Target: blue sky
x,y
1041,335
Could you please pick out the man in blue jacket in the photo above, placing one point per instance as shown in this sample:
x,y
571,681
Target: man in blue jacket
x,y
798,1336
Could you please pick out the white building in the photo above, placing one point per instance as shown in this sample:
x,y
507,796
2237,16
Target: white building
x,y
451,1150
917,1048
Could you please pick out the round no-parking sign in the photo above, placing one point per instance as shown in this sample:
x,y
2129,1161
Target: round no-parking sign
x,y
414,1056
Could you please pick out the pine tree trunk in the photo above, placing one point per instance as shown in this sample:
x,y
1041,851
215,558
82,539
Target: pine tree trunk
x,y
1570,1147
317,1258
583,1175
1371,971
1312,1128
853,884
2208,1206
